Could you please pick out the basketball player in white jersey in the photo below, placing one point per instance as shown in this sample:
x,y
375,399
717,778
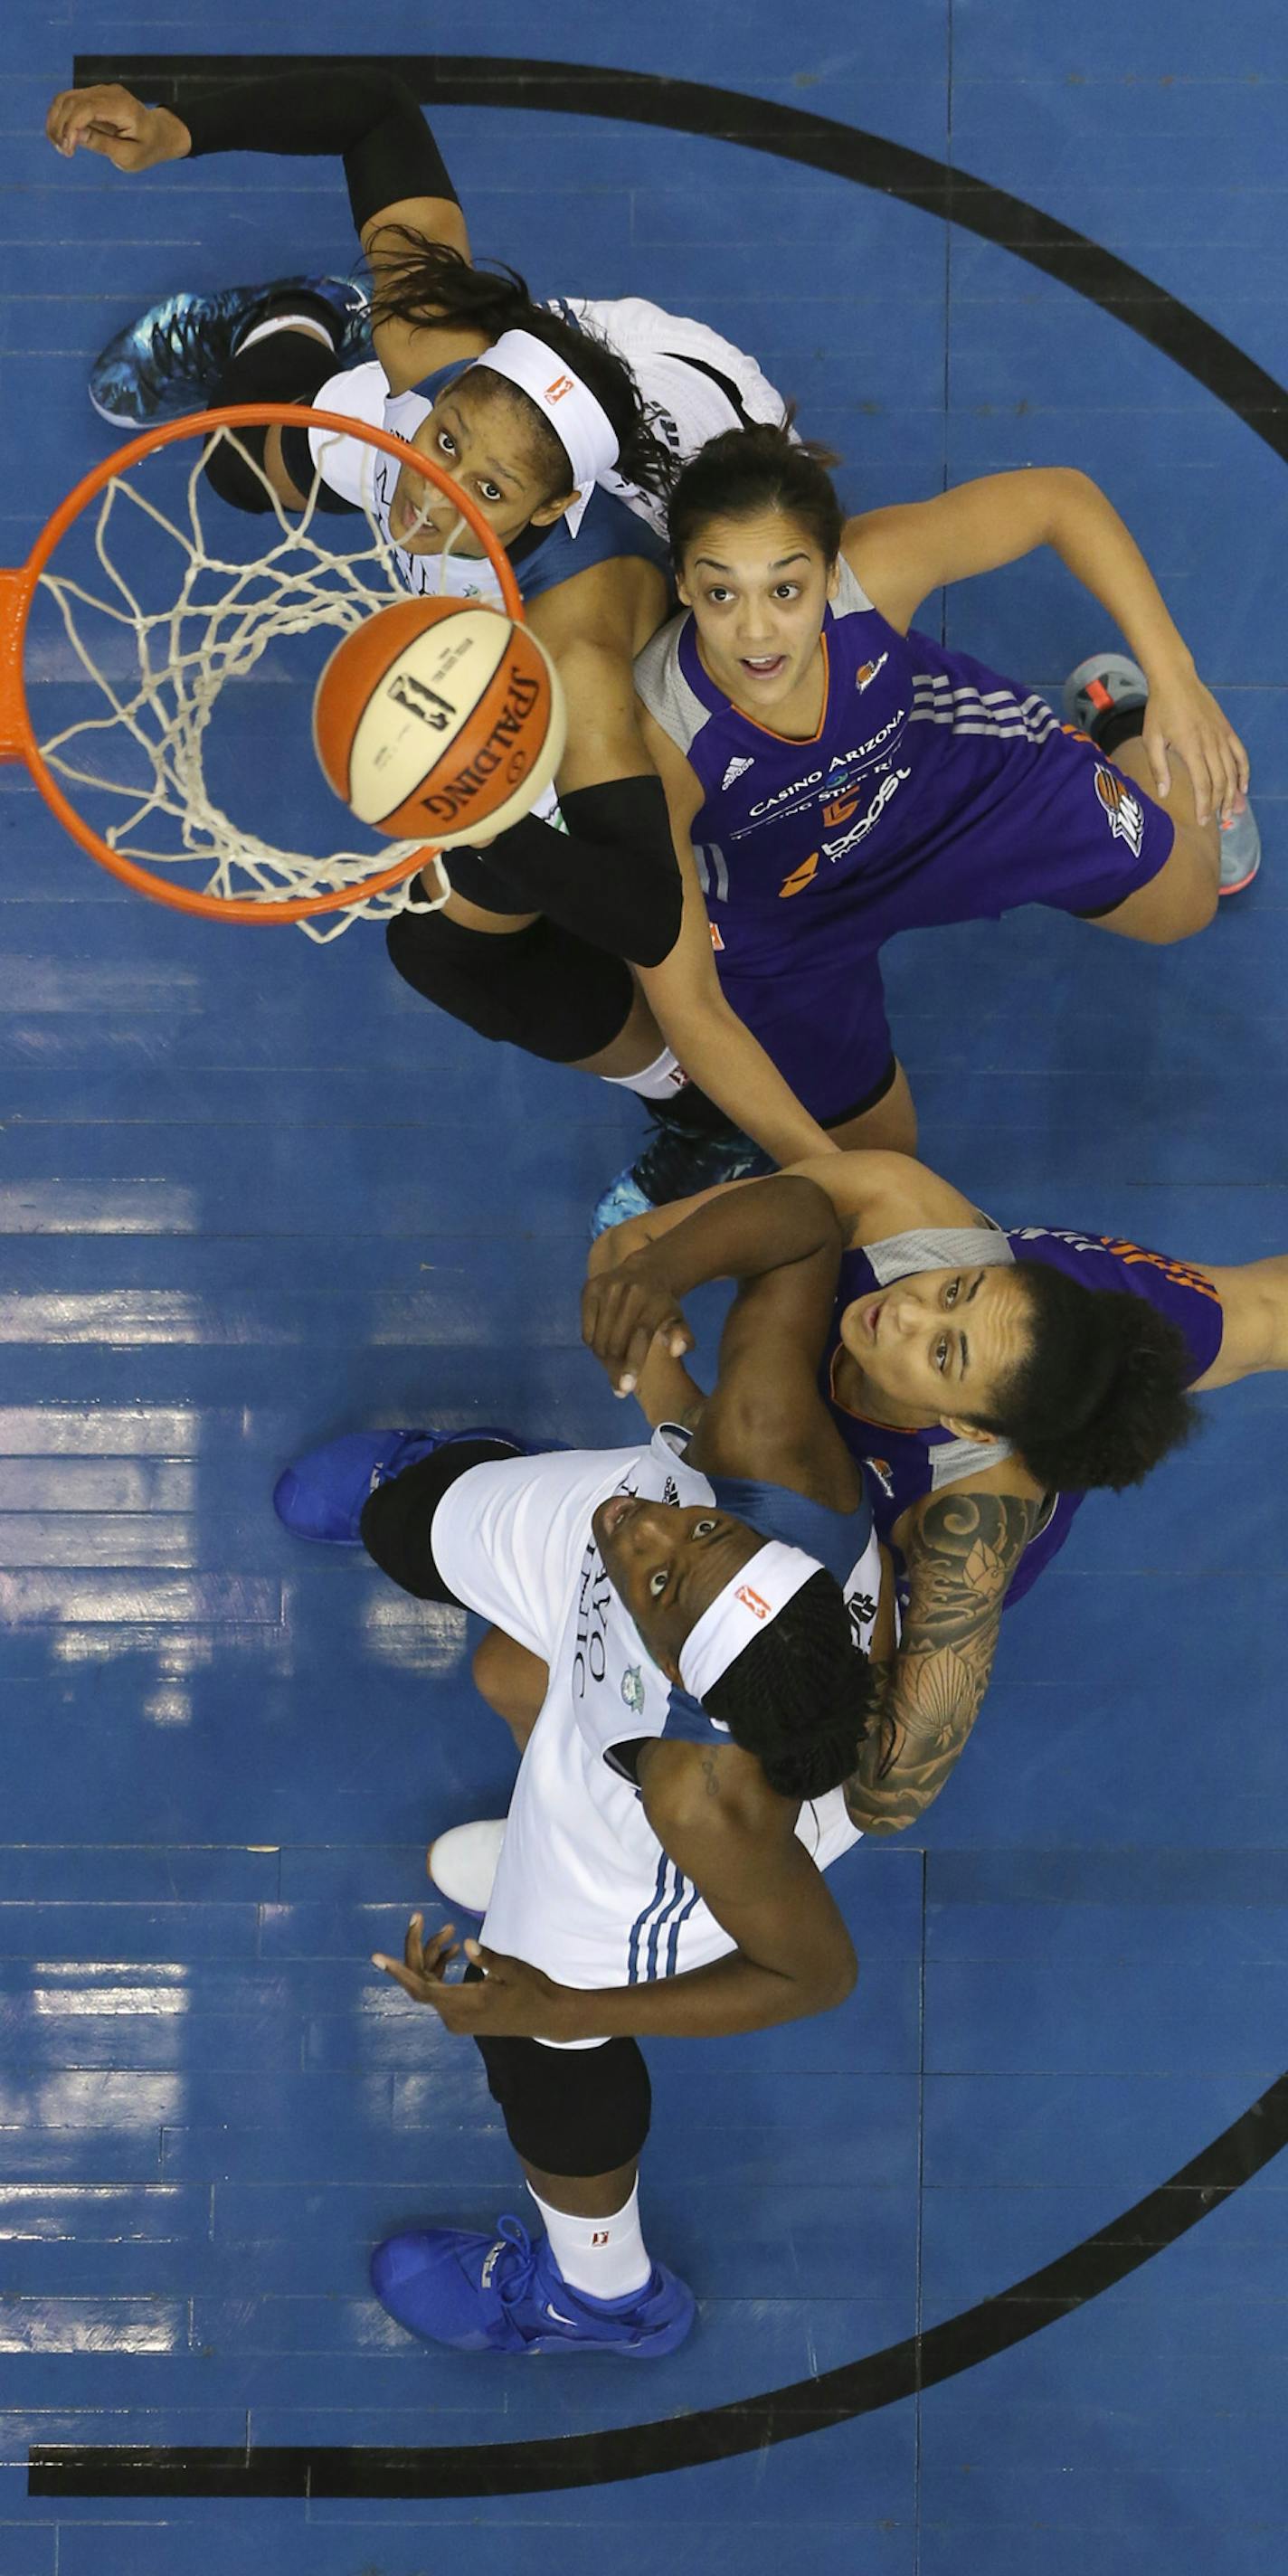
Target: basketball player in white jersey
x,y
678,1641
564,422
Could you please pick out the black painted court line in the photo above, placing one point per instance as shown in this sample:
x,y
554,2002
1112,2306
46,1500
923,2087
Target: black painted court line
x,y
790,134
901,2370
719,2432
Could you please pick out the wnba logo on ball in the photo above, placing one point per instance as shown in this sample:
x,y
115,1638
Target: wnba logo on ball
x,y
436,717
522,693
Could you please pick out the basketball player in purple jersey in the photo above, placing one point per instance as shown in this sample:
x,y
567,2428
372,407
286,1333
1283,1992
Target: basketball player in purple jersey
x,y
834,777
987,1379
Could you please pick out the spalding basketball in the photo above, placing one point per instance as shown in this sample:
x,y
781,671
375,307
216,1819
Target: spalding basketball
x,y
439,717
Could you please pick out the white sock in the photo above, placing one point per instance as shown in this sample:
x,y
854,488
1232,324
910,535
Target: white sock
x,y
658,1081
605,2257
287,322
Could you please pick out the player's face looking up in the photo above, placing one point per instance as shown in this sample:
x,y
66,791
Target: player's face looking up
x,y
758,588
938,1346
668,1564
478,439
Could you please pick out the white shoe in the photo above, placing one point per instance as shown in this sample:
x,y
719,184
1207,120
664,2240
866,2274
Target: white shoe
x,y
462,1863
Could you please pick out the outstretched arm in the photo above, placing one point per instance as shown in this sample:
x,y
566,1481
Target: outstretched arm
x,y
368,117
901,555
960,1553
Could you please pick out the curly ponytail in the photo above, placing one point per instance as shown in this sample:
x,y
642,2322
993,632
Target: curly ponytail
x,y
429,286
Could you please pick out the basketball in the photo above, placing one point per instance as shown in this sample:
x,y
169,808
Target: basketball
x,y
439,717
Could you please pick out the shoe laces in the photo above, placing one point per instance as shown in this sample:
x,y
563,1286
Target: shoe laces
x,y
515,2276
190,343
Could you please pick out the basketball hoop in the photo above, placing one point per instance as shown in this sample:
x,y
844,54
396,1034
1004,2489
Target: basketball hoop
x,y
150,593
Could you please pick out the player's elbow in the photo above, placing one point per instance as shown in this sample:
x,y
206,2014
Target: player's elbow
x,y
836,1980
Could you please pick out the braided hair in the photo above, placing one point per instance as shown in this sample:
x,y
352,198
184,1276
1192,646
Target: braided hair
x,y
793,1696
430,286
1098,1396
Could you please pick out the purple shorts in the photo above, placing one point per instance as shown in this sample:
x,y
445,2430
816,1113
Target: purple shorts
x,y
1014,822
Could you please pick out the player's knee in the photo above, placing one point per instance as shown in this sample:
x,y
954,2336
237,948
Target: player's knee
x,y
511,1680
1185,895
542,988
236,474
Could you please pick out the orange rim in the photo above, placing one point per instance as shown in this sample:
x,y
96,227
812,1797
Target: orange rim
x,y
18,589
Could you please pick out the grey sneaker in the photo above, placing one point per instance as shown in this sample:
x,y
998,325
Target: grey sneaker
x,y
1107,681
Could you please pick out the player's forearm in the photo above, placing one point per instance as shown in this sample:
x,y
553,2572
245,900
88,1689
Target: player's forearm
x,y
1100,550
369,118
741,1234
716,2002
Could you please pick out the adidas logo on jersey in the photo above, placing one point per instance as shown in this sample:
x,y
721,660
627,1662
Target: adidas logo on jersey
x,y
737,768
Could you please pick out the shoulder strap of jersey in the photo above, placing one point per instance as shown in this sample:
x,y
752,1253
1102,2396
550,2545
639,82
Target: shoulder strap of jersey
x,y
663,688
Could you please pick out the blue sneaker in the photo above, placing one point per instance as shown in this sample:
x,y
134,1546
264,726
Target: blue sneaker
x,y
175,357
322,1494
502,2293
677,1161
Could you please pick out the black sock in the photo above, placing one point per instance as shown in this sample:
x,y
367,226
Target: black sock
x,y
1117,724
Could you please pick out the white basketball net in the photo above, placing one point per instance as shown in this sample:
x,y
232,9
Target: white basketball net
x,y
159,672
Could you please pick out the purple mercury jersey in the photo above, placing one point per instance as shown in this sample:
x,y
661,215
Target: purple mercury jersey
x,y
933,791
902,1466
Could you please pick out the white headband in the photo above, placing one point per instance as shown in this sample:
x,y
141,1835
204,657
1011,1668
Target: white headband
x,y
766,1584
581,425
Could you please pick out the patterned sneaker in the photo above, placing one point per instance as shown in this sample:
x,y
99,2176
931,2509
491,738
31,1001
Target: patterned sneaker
x,y
1108,681
462,1863
679,1158
322,1494
174,358
502,2293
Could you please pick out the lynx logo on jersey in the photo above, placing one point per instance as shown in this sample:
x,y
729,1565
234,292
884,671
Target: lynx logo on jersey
x,y
737,769
633,1689
1126,818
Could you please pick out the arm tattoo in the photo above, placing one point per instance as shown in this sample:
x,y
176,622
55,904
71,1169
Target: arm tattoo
x,y
921,1706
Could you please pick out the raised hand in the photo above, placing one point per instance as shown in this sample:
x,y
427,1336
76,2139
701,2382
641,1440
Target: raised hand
x,y
1182,716
109,120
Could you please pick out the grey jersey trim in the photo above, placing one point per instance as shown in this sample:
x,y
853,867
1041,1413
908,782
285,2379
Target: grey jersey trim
x,y
900,1256
664,690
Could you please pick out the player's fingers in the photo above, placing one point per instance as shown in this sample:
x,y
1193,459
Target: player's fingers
x,y
1155,743
413,1947
411,1985
1205,777
1235,766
